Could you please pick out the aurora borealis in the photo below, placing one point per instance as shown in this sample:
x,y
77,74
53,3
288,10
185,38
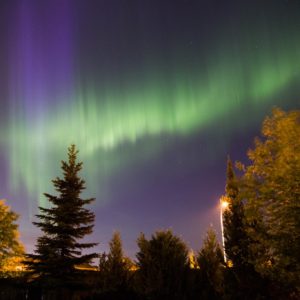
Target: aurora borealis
x,y
155,94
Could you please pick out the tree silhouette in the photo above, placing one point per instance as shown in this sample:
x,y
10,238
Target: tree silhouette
x,y
235,229
58,251
211,262
241,279
162,263
115,267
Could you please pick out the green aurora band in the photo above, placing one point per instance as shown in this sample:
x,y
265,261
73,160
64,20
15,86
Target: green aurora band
x,y
99,119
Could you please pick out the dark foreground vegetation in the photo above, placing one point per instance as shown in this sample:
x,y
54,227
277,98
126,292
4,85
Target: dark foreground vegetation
x,y
261,229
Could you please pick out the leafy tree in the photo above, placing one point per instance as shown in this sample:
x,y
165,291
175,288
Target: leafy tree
x,y
58,251
11,249
271,187
162,265
211,262
115,267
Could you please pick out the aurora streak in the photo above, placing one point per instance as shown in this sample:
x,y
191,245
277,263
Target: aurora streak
x,y
57,97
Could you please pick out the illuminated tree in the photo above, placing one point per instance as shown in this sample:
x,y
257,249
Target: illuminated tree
x,y
271,187
11,249
58,251
211,262
162,265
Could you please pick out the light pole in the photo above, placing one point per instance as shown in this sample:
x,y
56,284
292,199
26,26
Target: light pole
x,y
223,206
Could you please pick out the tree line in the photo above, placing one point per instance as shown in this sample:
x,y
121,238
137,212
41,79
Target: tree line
x,y
260,257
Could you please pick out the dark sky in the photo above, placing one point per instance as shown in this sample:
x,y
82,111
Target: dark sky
x,y
155,94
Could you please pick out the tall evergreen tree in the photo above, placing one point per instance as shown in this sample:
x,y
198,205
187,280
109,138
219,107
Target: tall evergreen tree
x,y
211,262
241,279
58,251
235,233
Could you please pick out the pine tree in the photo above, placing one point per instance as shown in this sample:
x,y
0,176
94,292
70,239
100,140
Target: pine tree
x,y
115,267
235,232
241,279
211,262
58,251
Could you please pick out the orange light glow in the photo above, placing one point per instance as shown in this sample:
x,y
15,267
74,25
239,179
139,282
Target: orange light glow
x,y
224,202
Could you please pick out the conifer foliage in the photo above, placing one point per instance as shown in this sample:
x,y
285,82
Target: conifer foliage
x,y
236,238
58,250
115,267
162,265
211,262
241,277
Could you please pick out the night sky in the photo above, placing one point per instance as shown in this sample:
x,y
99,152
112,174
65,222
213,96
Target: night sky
x,y
155,94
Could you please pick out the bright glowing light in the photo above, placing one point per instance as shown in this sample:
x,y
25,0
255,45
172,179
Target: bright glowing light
x,y
229,263
20,268
192,261
224,203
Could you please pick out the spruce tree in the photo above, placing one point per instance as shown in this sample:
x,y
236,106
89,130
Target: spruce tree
x,y
241,279
211,262
236,238
59,250
115,267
